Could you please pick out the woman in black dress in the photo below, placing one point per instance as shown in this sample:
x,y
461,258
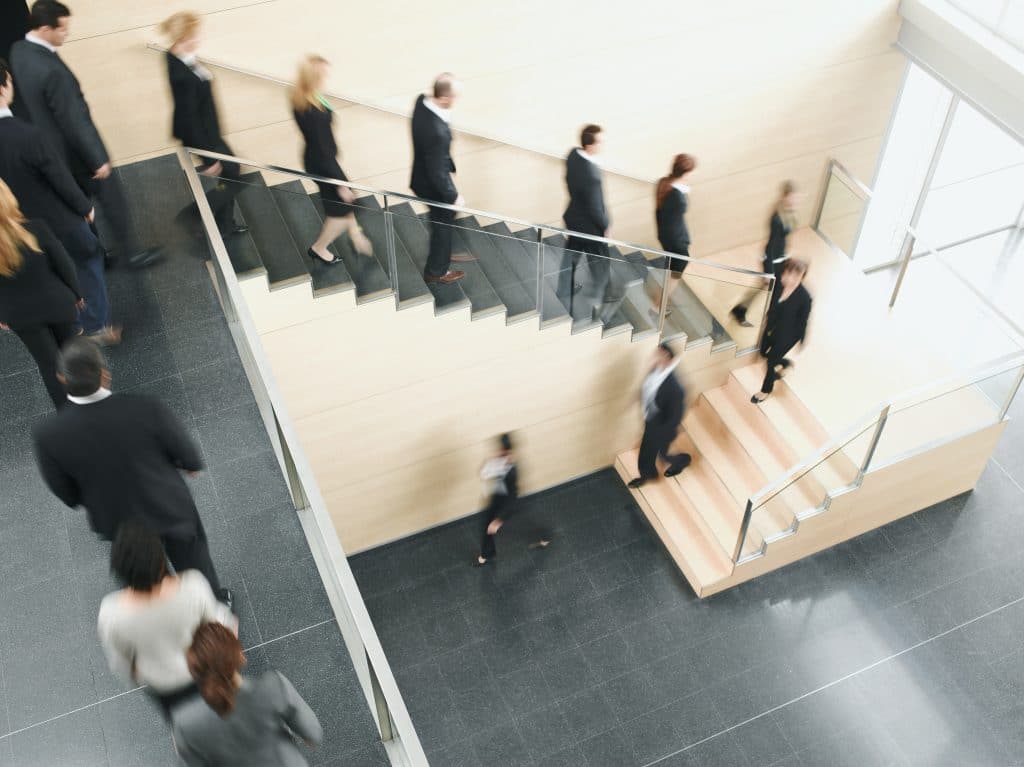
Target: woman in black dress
x,y
786,325
195,121
314,116
39,293
782,222
671,200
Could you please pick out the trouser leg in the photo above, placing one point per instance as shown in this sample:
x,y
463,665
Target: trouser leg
x,y
192,553
440,256
43,343
649,447
770,375
492,512
566,284
110,195
85,251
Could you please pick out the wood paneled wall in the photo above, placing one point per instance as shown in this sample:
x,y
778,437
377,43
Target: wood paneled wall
x,y
759,92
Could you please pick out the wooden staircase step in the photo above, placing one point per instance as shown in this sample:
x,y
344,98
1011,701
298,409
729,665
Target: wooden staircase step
x,y
798,427
677,523
764,444
702,487
735,468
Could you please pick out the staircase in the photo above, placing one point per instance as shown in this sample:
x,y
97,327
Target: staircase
x,y
284,219
738,448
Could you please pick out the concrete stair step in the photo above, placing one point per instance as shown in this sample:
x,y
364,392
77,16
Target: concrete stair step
x,y
284,262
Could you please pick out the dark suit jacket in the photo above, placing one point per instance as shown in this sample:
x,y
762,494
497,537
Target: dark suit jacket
x,y
13,25
43,186
670,404
586,212
786,324
44,290
775,248
432,163
48,95
321,153
195,120
121,459
670,217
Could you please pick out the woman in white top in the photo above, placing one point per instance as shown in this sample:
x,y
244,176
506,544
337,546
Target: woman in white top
x,y
147,627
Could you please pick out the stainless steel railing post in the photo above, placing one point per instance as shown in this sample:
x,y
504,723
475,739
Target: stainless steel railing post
x,y
540,276
883,416
748,513
390,247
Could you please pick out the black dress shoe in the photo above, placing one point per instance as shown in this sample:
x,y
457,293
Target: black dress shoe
x,y
633,484
233,230
312,254
226,597
677,468
145,258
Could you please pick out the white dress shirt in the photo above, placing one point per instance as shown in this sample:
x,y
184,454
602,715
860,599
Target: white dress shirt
x,y
588,156
99,394
190,61
650,386
444,114
684,188
40,41
6,112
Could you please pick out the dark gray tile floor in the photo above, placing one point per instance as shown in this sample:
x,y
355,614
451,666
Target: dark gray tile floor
x,y
58,703
901,647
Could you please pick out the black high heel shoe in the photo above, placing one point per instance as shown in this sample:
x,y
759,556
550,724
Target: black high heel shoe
x,y
312,254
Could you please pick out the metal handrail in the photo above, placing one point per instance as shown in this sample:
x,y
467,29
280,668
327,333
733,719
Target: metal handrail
x,y
315,506
861,186
472,212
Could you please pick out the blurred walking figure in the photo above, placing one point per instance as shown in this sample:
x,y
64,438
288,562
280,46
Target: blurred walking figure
x,y
782,222
671,201
432,169
195,122
121,457
39,294
46,192
315,117
664,403
239,720
501,472
50,98
146,627
586,213
786,325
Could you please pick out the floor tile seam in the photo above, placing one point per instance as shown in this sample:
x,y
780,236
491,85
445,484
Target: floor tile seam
x,y
1008,475
252,612
11,733
836,682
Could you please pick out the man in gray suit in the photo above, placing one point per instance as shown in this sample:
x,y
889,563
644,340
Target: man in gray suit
x,y
50,97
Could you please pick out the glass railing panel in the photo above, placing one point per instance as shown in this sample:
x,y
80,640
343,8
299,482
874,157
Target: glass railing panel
x,y
807,487
724,307
942,413
842,208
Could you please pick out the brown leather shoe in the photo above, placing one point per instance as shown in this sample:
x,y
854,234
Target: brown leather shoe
x,y
444,279
463,258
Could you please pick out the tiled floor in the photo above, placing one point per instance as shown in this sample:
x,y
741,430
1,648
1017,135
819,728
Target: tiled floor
x,y
59,704
902,647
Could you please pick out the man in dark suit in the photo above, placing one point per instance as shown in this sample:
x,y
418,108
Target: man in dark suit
x,y
121,457
46,191
13,24
432,169
586,214
50,97
664,402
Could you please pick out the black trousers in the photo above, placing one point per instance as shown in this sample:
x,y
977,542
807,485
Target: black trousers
x,y
192,553
222,197
43,343
112,202
597,262
440,256
773,359
655,442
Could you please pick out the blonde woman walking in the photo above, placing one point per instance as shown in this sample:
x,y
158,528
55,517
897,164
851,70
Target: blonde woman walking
x,y
314,116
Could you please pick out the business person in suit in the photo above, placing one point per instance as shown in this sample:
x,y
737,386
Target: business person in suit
x,y
50,97
239,720
195,122
13,24
46,192
670,204
664,403
39,294
315,116
781,223
587,214
432,169
121,457
502,475
786,325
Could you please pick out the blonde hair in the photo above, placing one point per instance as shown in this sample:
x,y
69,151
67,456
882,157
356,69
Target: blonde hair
x,y
788,216
13,235
179,26
304,92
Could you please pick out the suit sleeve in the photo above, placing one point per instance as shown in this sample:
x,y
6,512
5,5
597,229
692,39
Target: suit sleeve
x,y
297,714
593,204
60,261
178,445
439,168
186,103
803,318
61,483
71,114
60,180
